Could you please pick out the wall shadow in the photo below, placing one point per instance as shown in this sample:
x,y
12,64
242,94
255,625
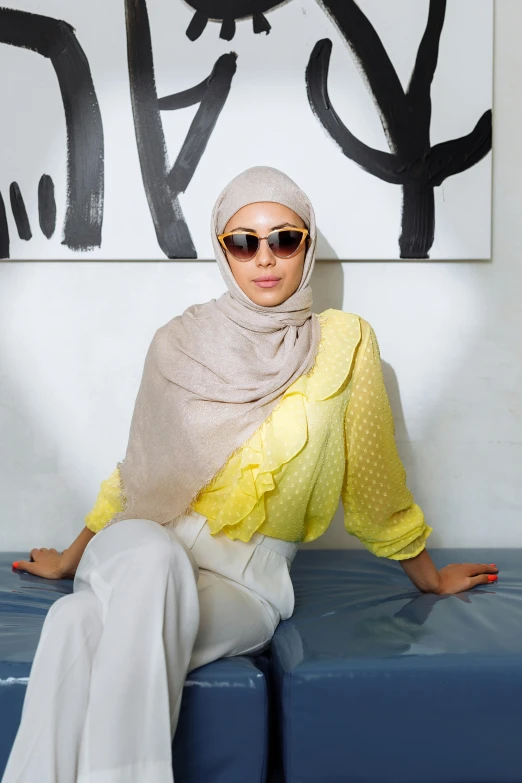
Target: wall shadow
x,y
327,278
402,437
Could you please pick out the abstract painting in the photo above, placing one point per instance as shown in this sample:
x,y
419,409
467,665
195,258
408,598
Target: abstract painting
x,y
124,120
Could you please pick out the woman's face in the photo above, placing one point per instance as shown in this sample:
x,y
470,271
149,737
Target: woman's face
x,y
263,217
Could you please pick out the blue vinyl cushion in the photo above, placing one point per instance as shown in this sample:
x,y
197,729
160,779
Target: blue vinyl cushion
x,y
378,683
222,731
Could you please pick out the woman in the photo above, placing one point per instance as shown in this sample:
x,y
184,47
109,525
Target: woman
x,y
253,416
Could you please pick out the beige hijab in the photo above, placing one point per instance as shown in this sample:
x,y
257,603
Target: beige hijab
x,y
214,374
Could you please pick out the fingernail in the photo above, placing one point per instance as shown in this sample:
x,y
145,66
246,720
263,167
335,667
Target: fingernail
x,y
492,577
492,565
16,564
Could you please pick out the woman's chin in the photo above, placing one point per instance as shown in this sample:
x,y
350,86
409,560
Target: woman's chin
x,y
267,297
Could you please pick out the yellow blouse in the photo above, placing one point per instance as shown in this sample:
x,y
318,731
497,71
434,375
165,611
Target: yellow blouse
x,y
331,435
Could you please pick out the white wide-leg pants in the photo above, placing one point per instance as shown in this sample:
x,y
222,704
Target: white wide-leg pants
x,y
150,604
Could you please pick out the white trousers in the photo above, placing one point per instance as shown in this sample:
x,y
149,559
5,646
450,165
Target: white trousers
x,y
149,605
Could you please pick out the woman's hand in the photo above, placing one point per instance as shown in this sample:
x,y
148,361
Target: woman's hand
x,y
463,576
449,580
47,563
55,565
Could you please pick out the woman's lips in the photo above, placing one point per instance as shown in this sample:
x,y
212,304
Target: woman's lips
x,y
267,282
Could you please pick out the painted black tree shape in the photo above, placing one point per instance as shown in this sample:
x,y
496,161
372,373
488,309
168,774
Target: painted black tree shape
x,y
226,12
55,40
405,116
164,184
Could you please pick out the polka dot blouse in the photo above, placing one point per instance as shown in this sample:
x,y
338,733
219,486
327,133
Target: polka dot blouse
x,y
331,436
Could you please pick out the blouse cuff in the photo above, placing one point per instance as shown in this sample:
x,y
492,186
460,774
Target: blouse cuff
x,y
108,503
414,548
403,537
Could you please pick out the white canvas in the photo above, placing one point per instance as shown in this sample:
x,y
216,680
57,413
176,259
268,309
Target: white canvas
x,y
266,120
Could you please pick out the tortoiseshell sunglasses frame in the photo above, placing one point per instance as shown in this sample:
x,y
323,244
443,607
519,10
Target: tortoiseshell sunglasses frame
x,y
221,237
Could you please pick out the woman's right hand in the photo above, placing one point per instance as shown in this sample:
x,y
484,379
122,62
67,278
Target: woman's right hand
x,y
47,563
55,565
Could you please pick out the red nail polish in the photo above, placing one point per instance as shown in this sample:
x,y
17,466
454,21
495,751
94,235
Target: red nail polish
x,y
15,564
492,577
492,565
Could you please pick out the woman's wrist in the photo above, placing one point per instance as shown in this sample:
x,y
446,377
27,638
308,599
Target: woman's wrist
x,y
422,572
68,565
71,556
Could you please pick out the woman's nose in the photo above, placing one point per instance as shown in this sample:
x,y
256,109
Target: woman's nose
x,y
264,257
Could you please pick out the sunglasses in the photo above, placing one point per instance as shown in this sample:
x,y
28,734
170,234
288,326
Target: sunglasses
x,y
244,245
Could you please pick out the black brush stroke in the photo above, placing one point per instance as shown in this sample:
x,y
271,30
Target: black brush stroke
x,y
4,231
171,229
163,184
185,98
19,211
381,164
196,26
405,117
418,94
261,24
232,9
418,221
454,157
46,206
228,11
203,124
373,61
228,29
55,40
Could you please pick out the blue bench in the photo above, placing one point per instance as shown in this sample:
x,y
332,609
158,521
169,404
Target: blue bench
x,y
369,681
378,683
222,732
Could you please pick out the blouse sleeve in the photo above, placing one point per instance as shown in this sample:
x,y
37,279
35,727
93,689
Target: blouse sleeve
x,y
378,507
108,503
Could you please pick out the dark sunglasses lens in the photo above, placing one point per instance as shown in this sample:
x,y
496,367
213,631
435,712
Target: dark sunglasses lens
x,y
284,243
242,246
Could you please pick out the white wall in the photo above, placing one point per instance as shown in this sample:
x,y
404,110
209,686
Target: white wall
x,y
73,337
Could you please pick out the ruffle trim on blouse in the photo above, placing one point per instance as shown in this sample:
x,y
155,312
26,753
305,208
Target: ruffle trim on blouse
x,y
257,467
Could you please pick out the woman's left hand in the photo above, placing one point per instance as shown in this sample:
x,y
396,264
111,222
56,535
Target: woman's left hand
x,y
449,580
463,576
